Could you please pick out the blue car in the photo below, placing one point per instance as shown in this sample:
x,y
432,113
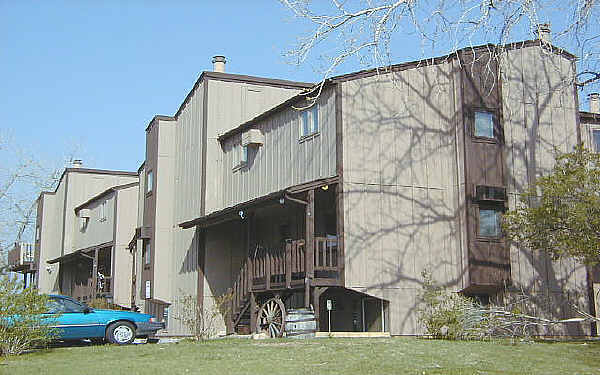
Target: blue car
x,y
75,321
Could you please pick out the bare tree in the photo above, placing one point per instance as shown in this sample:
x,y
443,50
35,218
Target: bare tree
x,y
22,178
375,32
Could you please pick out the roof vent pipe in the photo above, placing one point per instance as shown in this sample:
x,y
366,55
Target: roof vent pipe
x,y
219,63
544,32
77,163
594,102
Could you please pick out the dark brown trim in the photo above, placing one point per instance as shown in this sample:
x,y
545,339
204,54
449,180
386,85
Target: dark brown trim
x,y
248,124
227,77
384,70
104,194
90,171
231,213
445,58
64,213
588,117
339,155
204,144
113,254
79,252
157,118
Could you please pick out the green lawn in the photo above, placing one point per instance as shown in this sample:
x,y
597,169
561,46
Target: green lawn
x,y
318,356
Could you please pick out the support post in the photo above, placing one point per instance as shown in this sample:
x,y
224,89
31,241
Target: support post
x,y
309,245
288,264
253,314
95,274
317,293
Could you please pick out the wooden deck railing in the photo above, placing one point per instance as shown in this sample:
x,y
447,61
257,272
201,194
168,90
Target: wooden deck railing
x,y
287,267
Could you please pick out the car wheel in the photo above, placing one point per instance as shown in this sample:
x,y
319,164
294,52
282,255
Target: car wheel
x,y
120,333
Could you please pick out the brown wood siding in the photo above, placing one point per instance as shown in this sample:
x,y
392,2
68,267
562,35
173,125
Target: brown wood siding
x,y
488,258
150,206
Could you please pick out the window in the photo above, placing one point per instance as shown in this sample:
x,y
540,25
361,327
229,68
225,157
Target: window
x,y
63,305
489,221
309,121
243,157
147,253
37,233
149,181
102,211
596,139
484,124
83,222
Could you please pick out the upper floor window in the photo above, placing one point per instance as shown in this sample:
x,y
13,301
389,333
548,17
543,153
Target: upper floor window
x,y
102,211
243,155
490,222
149,181
309,121
596,139
484,124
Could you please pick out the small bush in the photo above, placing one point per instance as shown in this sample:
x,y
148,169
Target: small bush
x,y
21,324
449,315
201,322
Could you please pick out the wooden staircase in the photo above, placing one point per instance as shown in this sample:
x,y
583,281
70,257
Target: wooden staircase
x,y
277,270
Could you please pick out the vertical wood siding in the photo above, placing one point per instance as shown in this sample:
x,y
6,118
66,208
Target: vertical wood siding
x,y
540,114
283,160
400,179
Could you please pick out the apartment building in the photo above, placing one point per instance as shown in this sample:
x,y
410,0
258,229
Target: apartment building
x,y
390,173
82,233
181,179
251,189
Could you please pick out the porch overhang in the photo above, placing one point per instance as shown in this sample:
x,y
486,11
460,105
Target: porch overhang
x,y
232,213
141,233
81,253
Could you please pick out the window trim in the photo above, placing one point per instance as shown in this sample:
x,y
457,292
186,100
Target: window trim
x,y
147,259
499,208
310,115
497,129
150,184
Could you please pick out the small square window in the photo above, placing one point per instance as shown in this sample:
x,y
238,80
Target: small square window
x,y
596,139
149,181
484,124
489,222
243,155
309,123
147,253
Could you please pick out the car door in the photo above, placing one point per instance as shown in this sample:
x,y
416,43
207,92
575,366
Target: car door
x,y
75,321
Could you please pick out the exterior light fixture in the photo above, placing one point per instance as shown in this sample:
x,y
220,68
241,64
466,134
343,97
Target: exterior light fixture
x,y
241,213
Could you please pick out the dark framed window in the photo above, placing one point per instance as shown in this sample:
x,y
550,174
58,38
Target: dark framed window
x,y
489,221
484,124
149,181
309,123
147,253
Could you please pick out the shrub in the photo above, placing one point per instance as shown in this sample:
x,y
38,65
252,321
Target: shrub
x,y
201,322
449,315
21,323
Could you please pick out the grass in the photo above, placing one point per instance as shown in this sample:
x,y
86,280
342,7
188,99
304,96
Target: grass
x,y
319,356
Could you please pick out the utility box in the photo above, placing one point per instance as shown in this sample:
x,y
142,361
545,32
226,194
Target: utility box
x,y
253,137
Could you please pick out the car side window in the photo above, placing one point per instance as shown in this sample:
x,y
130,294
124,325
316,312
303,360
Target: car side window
x,y
54,306
62,305
71,306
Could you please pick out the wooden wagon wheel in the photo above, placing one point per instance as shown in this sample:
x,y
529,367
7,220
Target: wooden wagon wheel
x,y
271,317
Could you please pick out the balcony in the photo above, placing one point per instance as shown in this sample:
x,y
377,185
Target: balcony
x,y
22,257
